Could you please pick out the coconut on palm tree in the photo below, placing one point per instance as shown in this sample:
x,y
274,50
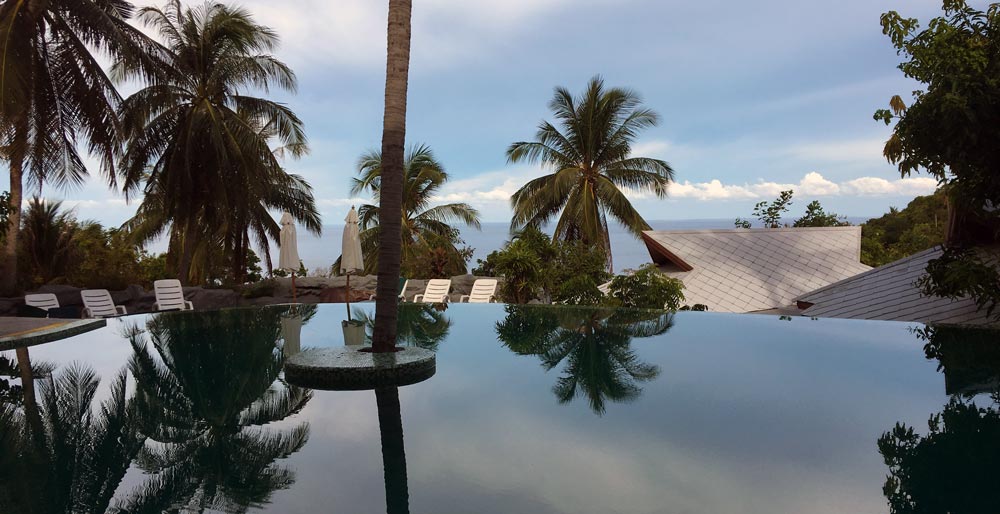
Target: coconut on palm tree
x,y
424,229
592,166
54,95
201,148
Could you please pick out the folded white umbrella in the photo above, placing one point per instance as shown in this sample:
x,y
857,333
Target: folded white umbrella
x,y
288,256
351,259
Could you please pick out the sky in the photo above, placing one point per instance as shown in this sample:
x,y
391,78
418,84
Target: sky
x,y
755,97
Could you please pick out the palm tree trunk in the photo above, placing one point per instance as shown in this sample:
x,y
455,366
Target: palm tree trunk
x,y
8,273
188,242
391,193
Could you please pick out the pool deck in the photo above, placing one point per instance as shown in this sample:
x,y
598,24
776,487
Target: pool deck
x,y
19,332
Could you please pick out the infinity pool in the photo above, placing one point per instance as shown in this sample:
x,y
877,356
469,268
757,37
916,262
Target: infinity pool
x,y
531,410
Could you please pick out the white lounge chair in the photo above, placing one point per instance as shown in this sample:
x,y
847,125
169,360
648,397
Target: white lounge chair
x,y
97,303
402,290
44,301
435,292
170,296
483,291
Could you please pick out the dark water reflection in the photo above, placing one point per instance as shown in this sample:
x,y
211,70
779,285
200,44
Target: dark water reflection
x,y
955,466
697,412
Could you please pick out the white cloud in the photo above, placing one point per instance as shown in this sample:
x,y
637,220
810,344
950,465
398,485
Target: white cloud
x,y
811,185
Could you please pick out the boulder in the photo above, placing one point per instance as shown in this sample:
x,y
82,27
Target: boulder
x,y
211,299
67,295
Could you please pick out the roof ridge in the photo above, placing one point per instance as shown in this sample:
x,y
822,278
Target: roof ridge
x,y
899,262
752,230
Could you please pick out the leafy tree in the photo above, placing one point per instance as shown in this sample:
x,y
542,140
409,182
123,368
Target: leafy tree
x,y
392,178
594,344
5,209
949,128
532,266
592,166
56,97
900,233
815,216
427,236
199,148
647,288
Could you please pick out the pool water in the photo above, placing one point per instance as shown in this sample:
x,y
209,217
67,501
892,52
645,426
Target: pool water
x,y
531,410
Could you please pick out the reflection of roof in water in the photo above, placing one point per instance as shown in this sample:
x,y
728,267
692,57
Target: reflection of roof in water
x,y
889,293
746,270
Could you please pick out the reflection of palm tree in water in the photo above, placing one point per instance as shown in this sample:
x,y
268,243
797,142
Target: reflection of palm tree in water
x,y
954,467
595,345
58,455
390,424
420,325
206,386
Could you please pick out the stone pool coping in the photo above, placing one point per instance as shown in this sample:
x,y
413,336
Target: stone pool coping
x,y
348,369
21,332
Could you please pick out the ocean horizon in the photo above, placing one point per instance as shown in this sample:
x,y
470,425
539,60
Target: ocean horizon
x,y
627,252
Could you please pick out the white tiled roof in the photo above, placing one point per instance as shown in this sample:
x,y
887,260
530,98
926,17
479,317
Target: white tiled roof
x,y
746,270
889,293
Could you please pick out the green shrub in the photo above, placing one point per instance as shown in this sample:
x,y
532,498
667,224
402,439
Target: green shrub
x,y
647,288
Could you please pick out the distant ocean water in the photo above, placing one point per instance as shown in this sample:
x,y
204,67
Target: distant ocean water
x,y
626,250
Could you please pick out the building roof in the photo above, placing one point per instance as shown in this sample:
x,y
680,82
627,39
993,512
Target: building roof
x,y
747,270
889,292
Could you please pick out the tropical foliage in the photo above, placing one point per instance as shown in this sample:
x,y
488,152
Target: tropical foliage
x,y
58,248
647,288
594,344
816,216
203,151
948,130
420,325
430,245
534,266
55,95
922,224
592,166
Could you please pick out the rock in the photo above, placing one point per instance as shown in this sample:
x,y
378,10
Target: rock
x,y
8,306
67,295
211,299
339,295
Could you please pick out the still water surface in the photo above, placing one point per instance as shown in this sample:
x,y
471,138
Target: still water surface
x,y
532,409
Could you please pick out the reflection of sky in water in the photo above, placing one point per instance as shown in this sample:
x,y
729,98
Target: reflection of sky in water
x,y
748,414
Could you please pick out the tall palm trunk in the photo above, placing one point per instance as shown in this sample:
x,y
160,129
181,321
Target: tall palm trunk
x,y
8,273
188,243
391,193
390,424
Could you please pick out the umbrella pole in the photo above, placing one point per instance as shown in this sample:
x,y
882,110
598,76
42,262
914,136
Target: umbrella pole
x,y
348,297
294,297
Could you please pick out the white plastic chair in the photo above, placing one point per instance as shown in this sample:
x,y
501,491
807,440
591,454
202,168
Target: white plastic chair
x,y
483,291
435,292
44,301
97,303
402,292
170,296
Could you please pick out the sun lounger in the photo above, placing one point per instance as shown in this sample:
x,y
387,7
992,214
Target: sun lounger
x,y
483,291
170,296
44,301
436,291
97,303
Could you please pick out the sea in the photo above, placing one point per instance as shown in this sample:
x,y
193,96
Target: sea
x,y
627,252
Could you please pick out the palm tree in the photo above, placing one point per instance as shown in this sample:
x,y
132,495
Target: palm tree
x,y
420,325
592,166
397,70
594,343
200,149
54,94
422,226
206,388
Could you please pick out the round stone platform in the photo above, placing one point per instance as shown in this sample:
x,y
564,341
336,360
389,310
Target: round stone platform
x,y
347,369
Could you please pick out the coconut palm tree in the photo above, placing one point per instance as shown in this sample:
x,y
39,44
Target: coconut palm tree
x,y
200,148
207,387
422,226
592,166
54,94
397,70
594,343
420,325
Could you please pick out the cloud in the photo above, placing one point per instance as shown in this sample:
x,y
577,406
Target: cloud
x,y
812,184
